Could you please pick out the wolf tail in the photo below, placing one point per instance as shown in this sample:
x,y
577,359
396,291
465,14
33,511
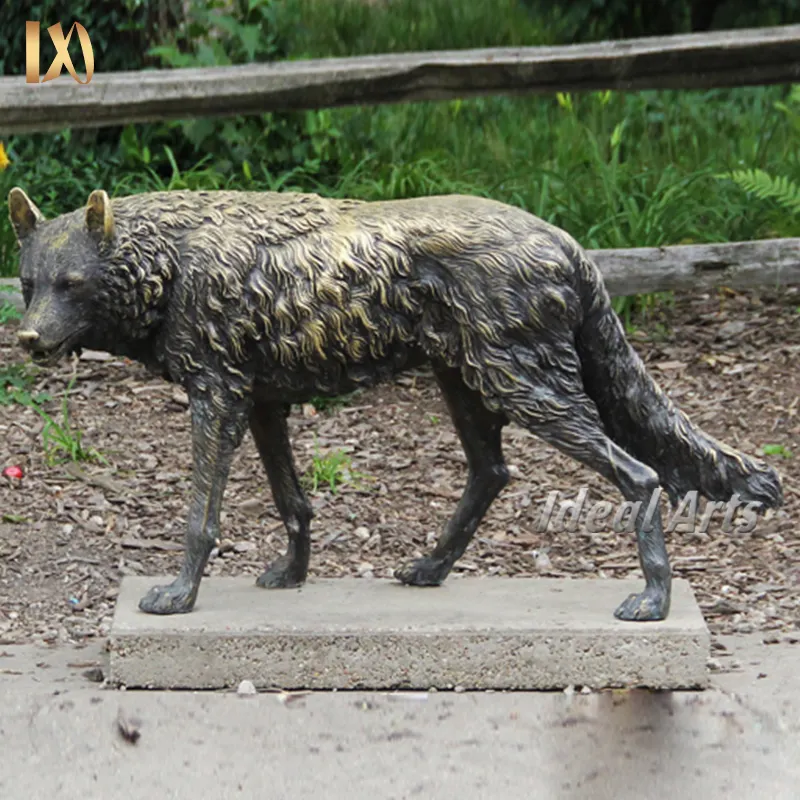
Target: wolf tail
x,y
642,420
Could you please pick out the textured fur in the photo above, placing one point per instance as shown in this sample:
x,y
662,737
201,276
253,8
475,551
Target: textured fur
x,y
253,301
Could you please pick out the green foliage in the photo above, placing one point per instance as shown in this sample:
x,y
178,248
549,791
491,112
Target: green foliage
x,y
16,382
119,31
754,13
8,312
63,442
779,190
349,27
777,450
791,108
332,470
8,241
588,20
14,519
617,19
324,403
220,33
766,187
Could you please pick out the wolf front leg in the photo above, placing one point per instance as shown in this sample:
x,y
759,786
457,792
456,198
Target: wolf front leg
x,y
219,421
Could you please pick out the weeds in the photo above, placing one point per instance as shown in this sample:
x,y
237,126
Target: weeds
x,y
780,190
16,382
62,442
8,312
641,307
332,470
777,450
324,403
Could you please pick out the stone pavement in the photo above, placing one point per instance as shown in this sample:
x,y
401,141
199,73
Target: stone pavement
x,y
59,738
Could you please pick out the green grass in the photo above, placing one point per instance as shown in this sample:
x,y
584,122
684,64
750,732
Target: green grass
x,y
16,383
353,27
777,450
613,169
62,441
8,312
14,519
331,470
327,470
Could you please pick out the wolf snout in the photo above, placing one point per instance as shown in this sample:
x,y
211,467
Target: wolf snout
x,y
33,342
27,338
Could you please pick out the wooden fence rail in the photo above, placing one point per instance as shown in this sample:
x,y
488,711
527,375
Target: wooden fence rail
x,y
693,61
769,264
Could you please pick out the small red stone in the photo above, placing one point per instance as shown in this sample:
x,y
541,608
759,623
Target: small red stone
x,y
13,472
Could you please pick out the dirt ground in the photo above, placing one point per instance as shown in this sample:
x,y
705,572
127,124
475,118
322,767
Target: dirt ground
x,y
68,533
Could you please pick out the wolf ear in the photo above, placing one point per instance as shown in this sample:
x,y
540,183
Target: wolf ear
x,y
23,213
99,219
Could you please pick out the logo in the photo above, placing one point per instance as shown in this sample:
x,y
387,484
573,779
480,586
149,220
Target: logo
x,y
62,59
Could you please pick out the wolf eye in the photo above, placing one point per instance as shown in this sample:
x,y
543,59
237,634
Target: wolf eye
x,y
68,282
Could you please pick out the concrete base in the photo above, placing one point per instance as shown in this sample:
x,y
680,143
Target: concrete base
x,y
477,633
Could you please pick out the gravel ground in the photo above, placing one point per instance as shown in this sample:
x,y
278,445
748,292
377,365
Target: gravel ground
x,y
69,532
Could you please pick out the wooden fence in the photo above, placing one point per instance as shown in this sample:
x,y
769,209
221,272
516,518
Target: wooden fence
x,y
719,59
694,61
766,264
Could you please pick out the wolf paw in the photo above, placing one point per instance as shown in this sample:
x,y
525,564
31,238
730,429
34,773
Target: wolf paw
x,y
649,606
424,571
177,598
283,573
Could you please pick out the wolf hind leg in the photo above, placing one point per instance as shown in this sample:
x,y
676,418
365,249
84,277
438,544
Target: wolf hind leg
x,y
271,434
569,421
480,432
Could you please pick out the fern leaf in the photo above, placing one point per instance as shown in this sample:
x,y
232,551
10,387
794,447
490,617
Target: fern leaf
x,y
768,187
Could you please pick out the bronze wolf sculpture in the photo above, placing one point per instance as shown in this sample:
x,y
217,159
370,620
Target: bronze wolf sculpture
x,y
255,301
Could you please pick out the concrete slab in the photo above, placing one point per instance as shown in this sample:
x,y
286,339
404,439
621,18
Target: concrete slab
x,y
476,633
740,741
